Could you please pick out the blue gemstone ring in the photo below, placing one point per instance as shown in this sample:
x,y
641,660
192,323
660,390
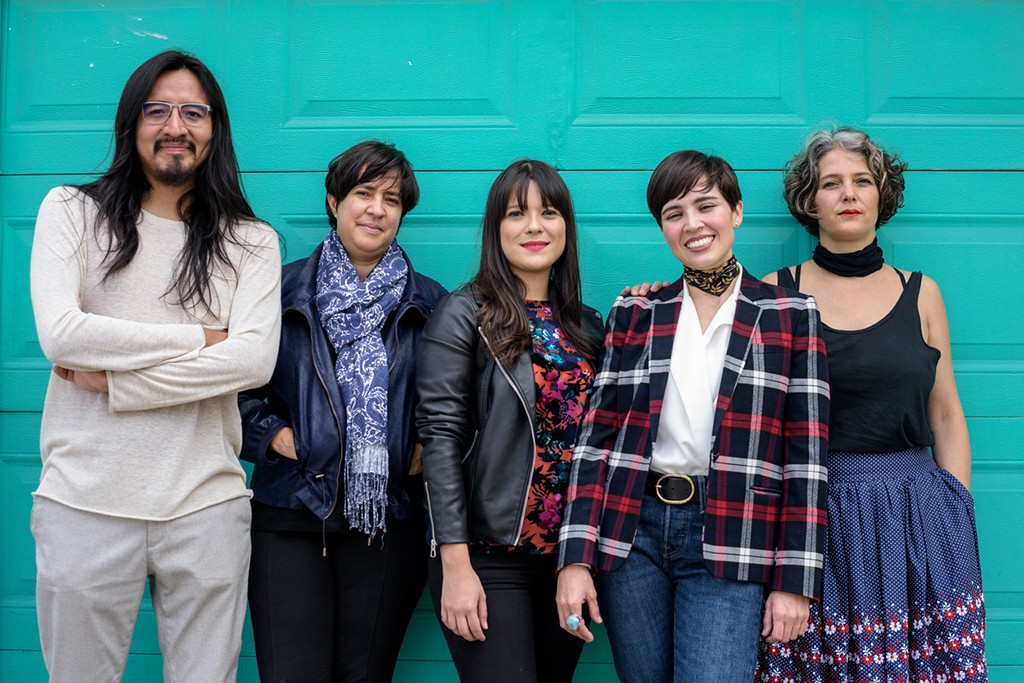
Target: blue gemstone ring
x,y
573,621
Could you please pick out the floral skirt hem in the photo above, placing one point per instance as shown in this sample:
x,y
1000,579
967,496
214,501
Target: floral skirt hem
x,y
902,600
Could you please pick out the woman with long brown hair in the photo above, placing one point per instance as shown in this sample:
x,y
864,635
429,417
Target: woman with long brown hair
x,y
504,368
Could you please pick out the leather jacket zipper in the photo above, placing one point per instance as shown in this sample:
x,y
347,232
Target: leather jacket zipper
x,y
430,510
398,341
430,515
529,418
337,422
476,435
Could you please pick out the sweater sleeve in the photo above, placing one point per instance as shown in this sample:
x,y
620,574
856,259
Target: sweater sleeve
x,y
71,337
243,361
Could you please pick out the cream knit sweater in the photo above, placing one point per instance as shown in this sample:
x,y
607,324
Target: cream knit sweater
x,y
164,441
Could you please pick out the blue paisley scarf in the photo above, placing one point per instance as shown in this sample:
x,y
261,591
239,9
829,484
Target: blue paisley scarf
x,y
352,313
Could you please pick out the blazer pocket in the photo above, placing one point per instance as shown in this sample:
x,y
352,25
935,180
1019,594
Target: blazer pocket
x,y
766,491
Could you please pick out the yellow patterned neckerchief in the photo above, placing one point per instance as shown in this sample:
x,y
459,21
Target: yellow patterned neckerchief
x,y
713,281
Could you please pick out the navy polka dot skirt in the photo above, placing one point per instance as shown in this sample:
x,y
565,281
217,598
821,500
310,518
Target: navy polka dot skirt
x,y
902,599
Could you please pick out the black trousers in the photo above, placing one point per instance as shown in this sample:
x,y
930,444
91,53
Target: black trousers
x,y
337,618
525,642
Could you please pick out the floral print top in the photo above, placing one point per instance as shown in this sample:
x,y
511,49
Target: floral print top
x,y
563,377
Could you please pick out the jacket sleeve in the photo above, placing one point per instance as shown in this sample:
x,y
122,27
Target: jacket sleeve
x,y
260,422
243,361
444,421
801,536
585,502
71,337
592,324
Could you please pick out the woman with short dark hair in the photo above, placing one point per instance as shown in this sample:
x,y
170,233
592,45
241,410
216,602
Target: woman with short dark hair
x,y
337,534
902,597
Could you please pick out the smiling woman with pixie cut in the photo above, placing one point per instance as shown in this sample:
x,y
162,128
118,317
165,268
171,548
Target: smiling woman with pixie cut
x,y
697,492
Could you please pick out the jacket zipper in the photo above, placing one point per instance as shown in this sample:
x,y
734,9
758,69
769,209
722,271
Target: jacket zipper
x,y
430,515
337,423
430,510
398,340
533,437
394,329
476,435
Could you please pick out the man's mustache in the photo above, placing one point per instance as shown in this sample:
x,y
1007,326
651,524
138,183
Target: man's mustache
x,y
160,142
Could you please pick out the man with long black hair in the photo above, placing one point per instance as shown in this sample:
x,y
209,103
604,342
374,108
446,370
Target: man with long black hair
x,y
156,297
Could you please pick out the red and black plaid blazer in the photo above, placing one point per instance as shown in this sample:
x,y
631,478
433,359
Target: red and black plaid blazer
x,y
766,491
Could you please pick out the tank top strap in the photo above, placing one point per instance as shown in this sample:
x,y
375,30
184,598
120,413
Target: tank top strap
x,y
789,280
909,318
786,279
902,279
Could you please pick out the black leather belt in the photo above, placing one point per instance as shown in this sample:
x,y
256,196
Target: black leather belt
x,y
671,489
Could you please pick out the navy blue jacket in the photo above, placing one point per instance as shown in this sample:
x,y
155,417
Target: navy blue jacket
x,y
303,393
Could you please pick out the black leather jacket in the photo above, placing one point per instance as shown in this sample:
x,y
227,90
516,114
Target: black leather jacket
x,y
475,419
303,393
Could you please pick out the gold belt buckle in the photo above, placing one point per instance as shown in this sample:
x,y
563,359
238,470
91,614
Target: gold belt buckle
x,y
667,501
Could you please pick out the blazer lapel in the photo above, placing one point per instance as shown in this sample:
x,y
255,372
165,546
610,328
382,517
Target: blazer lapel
x,y
664,317
744,327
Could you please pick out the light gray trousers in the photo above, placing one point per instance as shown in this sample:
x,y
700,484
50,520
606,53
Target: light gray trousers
x,y
91,573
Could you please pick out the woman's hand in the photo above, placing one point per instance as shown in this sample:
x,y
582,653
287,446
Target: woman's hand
x,y
644,289
416,466
785,616
463,601
283,443
576,588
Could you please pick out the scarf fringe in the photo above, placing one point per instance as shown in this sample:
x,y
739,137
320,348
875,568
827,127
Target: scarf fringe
x,y
366,490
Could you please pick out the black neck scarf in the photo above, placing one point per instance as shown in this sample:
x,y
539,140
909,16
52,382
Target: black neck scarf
x,y
854,264
715,281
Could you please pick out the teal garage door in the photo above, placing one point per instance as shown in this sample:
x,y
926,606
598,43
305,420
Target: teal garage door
x,y
602,88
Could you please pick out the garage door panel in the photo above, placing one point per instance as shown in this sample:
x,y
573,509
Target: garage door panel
x,y
448,74
677,63
912,77
24,372
66,63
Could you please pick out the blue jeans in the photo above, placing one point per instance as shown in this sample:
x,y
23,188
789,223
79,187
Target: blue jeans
x,y
667,618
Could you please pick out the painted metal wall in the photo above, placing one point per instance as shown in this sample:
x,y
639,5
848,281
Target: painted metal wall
x,y
602,88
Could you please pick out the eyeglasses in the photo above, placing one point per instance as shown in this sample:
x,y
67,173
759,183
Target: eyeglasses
x,y
192,114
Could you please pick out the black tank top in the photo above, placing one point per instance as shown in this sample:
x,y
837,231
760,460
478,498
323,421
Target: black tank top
x,y
880,378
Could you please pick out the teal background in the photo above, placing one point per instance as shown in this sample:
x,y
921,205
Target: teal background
x,y
603,89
